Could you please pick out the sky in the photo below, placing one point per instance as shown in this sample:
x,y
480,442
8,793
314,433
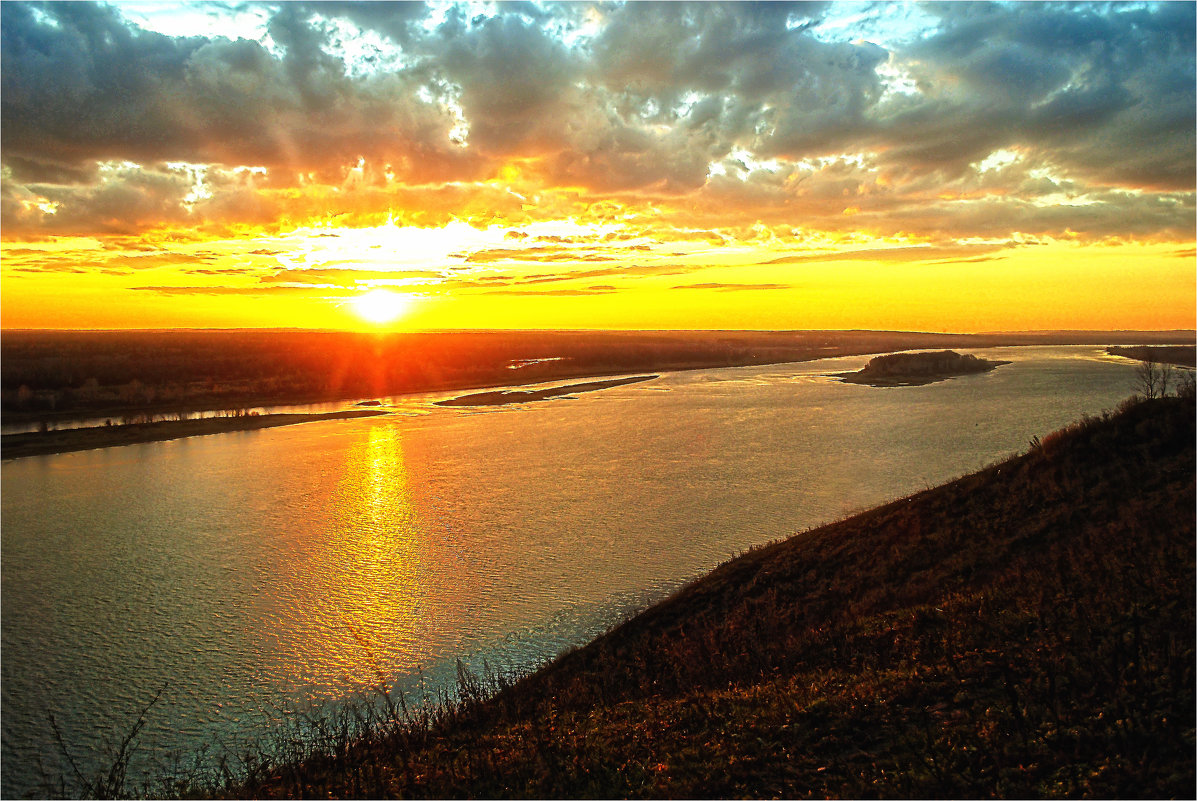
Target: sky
x,y
374,166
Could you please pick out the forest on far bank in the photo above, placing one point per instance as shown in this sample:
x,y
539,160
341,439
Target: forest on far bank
x,y
50,375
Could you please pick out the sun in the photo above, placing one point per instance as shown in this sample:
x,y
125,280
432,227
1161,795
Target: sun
x,y
379,306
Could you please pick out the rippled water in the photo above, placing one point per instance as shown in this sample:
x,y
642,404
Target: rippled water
x,y
257,573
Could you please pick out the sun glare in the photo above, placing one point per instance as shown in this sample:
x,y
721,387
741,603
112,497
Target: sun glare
x,y
379,306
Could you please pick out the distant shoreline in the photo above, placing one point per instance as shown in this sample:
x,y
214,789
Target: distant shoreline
x,y
1179,355
504,397
179,372
67,440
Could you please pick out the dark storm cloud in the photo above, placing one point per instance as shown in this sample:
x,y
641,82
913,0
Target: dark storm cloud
x,y
631,101
674,86
1106,93
125,199
80,84
396,21
741,52
515,81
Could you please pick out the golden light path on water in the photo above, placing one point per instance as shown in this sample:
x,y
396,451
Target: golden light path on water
x,y
357,613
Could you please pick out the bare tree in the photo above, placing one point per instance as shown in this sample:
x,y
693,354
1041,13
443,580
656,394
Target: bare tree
x,y
1186,384
1152,378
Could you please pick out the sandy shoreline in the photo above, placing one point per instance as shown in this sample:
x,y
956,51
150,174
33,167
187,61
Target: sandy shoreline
x,y
503,397
15,446
43,443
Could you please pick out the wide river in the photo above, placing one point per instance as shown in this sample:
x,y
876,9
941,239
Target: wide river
x,y
249,577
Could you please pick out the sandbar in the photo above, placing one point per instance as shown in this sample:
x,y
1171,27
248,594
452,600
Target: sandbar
x,y
14,446
503,397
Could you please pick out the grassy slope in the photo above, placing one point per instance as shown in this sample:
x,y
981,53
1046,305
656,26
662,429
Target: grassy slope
x,y
1027,630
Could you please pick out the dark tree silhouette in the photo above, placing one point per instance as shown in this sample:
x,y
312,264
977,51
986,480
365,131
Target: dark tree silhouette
x,y
1153,378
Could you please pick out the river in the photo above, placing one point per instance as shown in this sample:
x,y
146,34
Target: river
x,y
250,577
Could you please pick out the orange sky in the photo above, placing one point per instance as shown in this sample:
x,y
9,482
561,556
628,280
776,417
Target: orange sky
x,y
964,168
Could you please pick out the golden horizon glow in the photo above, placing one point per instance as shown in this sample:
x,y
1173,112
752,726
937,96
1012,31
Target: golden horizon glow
x,y
879,284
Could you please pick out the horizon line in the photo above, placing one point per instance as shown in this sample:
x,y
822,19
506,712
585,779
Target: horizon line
x,y
393,332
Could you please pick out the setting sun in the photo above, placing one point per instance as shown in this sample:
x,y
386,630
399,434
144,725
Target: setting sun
x,y
379,306
362,352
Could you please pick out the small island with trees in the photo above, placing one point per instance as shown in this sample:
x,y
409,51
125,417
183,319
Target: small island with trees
x,y
916,369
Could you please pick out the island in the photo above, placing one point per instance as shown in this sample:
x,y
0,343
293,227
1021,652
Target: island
x,y
503,397
64,440
917,369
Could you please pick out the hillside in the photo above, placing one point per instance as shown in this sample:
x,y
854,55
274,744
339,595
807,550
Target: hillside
x,y
1027,630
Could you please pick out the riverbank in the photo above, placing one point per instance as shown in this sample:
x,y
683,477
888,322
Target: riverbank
x,y
1179,355
15,446
126,376
504,397
1023,631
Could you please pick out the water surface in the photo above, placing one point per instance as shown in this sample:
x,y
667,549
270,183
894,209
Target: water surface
x,y
254,574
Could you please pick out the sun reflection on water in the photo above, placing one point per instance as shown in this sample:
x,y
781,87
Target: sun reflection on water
x,y
357,585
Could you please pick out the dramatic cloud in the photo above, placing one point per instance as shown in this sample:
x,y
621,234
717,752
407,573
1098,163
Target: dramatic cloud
x,y
595,290
756,133
344,276
749,108
900,254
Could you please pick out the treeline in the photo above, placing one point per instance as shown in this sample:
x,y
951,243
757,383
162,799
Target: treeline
x,y
56,374
1182,355
921,363
65,372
